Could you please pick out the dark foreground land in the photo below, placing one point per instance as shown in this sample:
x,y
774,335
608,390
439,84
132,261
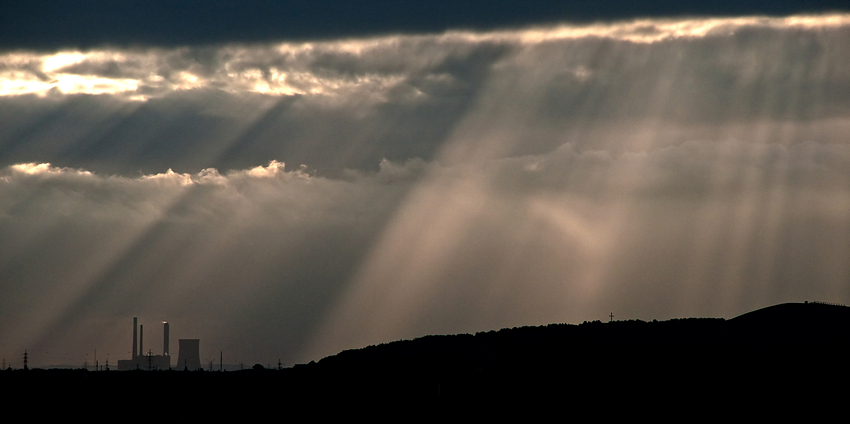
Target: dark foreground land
x,y
789,357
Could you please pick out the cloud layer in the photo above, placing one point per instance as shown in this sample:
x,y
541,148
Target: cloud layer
x,y
348,104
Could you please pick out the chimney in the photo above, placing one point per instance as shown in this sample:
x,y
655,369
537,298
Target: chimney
x,y
135,337
165,339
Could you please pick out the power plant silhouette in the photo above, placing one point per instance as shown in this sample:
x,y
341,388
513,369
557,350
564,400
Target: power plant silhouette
x,y
189,357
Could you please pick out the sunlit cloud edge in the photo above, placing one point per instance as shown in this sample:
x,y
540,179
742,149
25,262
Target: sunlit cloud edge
x,y
30,73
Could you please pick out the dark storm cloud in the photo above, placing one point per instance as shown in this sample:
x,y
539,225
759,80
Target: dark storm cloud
x,y
90,23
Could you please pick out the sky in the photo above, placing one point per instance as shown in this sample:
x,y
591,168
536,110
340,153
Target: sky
x,y
286,180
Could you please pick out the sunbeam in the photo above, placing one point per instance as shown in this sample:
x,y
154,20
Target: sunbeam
x,y
433,183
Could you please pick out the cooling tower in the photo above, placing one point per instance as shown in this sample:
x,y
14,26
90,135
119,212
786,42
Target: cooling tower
x,y
189,356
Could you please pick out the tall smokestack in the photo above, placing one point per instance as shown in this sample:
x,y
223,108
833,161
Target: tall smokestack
x,y
165,339
135,337
141,335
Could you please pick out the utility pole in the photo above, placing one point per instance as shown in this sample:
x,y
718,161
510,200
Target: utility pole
x,y
220,361
26,359
611,316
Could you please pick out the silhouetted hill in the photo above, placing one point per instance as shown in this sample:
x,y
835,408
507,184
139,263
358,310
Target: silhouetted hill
x,y
813,316
790,354
785,350
790,332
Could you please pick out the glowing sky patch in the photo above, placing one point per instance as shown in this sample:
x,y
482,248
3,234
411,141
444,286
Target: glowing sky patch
x,y
61,60
32,168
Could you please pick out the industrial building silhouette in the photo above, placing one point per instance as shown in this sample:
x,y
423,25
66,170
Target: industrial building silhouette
x,y
189,354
